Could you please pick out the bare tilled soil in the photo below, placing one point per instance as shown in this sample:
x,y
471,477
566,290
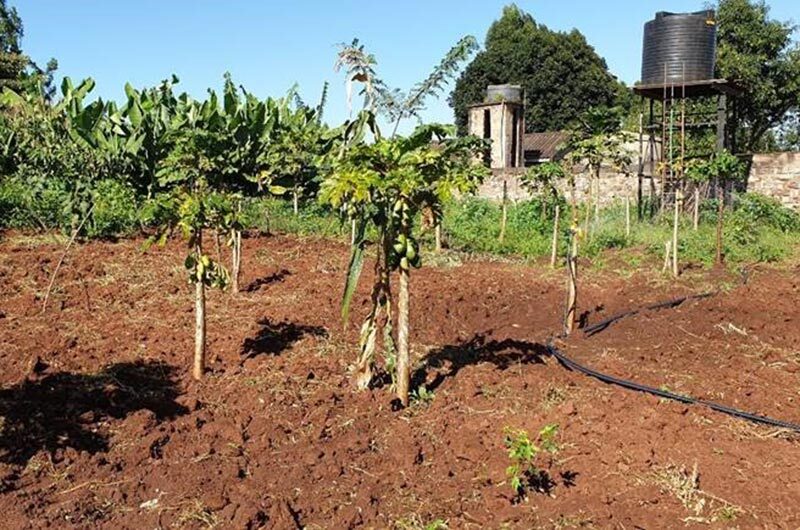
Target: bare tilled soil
x,y
102,426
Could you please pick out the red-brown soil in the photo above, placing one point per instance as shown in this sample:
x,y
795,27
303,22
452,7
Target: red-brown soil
x,y
102,427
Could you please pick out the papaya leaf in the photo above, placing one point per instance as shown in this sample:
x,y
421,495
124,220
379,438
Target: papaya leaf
x,y
354,269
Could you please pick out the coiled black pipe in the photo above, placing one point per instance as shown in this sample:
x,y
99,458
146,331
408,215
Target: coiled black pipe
x,y
631,385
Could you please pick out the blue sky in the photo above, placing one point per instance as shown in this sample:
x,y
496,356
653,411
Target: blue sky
x,y
269,45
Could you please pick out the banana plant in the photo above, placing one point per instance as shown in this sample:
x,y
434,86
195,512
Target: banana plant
x,y
149,115
384,184
298,150
72,143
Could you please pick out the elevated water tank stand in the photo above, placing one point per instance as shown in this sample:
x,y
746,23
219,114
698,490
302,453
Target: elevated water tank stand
x,y
659,132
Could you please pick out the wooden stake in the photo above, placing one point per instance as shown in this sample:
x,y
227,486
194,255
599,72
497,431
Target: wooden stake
x,y
678,201
504,218
627,216
438,236
720,217
199,364
554,252
572,283
236,260
696,214
63,257
667,248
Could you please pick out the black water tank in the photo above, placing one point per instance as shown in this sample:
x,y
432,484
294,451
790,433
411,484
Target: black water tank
x,y
679,40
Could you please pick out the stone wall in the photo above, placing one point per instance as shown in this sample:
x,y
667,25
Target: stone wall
x,y
614,185
776,175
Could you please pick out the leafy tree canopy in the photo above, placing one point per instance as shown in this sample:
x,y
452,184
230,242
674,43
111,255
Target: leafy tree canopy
x,y
17,71
760,55
561,73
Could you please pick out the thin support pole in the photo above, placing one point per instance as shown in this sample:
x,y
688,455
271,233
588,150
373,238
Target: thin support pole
x,y
627,216
504,216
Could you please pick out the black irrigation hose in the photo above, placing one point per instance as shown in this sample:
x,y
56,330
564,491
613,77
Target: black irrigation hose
x,y
572,365
602,325
631,385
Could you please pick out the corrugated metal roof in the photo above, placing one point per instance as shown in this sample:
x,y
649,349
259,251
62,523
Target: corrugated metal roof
x,y
544,145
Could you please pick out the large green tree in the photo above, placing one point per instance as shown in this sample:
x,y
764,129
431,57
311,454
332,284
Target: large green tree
x,y
561,73
17,71
760,55
12,62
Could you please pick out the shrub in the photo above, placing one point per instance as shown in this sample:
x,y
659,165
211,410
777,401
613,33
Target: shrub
x,y
115,209
13,209
754,208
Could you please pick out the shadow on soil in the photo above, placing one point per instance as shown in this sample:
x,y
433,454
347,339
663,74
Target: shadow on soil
x,y
275,337
64,409
258,283
477,350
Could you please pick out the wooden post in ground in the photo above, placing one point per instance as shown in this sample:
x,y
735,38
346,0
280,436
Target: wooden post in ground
x,y
438,235
696,213
720,218
678,203
504,216
236,260
627,216
572,282
554,251
667,248
199,363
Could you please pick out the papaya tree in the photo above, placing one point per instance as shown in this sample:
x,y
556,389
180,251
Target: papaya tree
x,y
722,169
544,179
596,141
384,184
191,173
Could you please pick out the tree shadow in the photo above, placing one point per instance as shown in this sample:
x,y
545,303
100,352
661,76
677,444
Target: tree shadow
x,y
477,350
64,409
274,338
275,277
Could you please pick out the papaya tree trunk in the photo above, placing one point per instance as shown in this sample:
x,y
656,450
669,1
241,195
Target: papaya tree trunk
x,y
370,329
438,235
200,318
403,358
596,204
720,218
296,201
